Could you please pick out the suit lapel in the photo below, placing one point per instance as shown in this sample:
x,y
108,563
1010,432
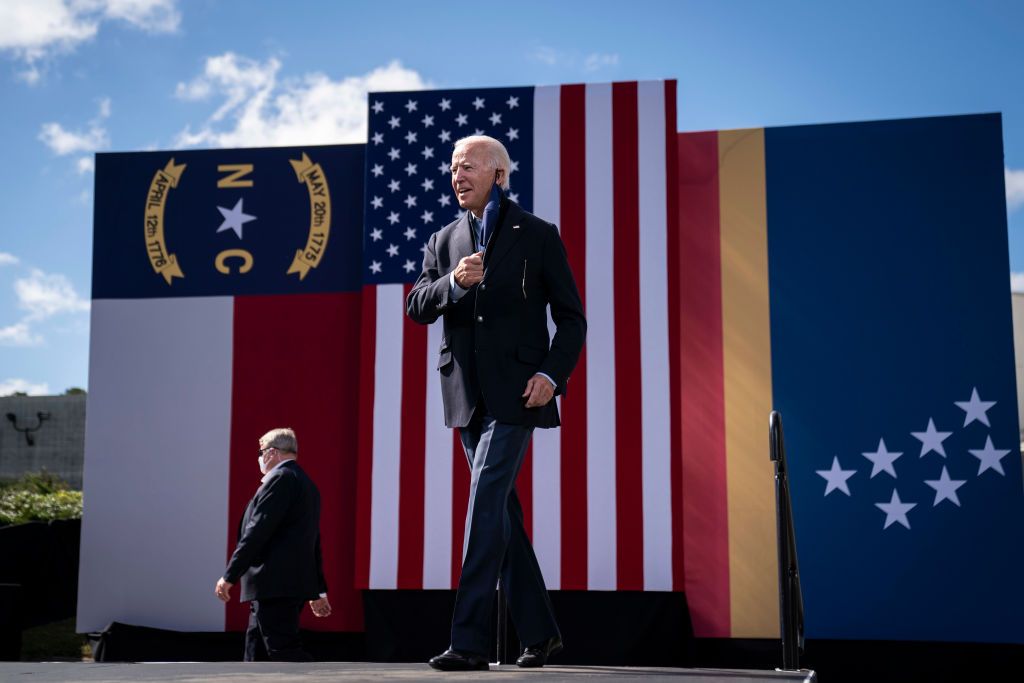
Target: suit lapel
x,y
462,239
505,236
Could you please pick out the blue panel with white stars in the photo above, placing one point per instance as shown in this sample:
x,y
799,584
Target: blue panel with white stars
x,y
408,155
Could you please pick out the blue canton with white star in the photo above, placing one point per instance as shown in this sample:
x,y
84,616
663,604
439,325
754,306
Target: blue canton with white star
x,y
408,155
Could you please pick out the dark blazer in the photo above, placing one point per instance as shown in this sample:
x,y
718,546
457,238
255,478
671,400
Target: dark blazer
x,y
278,551
496,334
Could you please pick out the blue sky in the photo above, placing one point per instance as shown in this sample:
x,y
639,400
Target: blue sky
x,y
81,76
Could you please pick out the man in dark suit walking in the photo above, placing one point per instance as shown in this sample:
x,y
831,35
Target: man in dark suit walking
x,y
278,555
492,275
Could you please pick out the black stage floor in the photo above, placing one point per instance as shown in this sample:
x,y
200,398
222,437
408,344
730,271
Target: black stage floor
x,y
232,672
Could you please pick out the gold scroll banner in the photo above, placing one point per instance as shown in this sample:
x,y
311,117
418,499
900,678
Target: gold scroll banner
x,y
319,216
163,180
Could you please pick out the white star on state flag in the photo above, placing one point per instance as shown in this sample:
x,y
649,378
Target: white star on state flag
x,y
377,202
882,460
410,201
378,138
410,106
375,267
428,121
378,107
409,266
990,457
495,118
478,103
392,250
394,122
234,218
445,104
836,477
393,217
895,510
931,439
975,409
512,102
378,170
945,488
376,234
410,233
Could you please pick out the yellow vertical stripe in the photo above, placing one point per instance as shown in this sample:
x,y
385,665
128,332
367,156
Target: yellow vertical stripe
x,y
746,342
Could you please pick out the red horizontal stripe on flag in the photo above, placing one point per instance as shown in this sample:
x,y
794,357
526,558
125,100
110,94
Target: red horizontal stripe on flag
x,y
628,404
703,390
573,203
460,503
412,423
367,356
294,365
524,489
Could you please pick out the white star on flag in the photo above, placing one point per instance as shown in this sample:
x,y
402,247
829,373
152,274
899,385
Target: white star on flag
x,y
836,477
513,134
378,107
378,138
513,196
234,218
410,106
990,457
393,217
394,122
445,136
394,153
445,200
427,184
393,250
895,510
882,460
409,266
394,185
428,152
428,121
410,233
410,201
444,168
410,137
495,118
377,202
478,131
975,409
931,439
410,168
512,102
445,104
376,234
378,170
427,216
945,488
375,267
478,103
461,119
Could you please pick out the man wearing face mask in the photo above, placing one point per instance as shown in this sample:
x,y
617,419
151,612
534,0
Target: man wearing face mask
x,y
492,275
277,557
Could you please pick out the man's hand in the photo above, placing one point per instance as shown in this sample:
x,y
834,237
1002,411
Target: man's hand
x,y
538,392
320,607
223,589
470,270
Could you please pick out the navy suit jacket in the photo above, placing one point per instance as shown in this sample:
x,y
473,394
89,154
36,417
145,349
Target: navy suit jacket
x,y
278,551
496,335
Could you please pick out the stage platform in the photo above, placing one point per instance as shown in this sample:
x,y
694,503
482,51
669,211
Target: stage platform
x,y
237,672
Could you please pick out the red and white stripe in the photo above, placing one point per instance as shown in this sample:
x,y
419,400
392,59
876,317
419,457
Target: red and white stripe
x,y
599,495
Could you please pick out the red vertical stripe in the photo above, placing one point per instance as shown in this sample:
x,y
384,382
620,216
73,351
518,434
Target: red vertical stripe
x,y
294,366
524,489
573,202
706,537
412,453
628,404
364,438
460,503
673,256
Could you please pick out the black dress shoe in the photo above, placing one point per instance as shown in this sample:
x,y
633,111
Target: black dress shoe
x,y
450,660
537,655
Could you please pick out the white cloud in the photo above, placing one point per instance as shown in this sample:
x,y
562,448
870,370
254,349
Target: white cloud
x,y
260,110
19,334
62,141
34,31
11,385
1014,188
1017,282
8,259
44,295
546,55
597,61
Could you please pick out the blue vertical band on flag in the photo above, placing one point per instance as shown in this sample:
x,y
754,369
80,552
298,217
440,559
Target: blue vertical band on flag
x,y
408,157
228,222
893,366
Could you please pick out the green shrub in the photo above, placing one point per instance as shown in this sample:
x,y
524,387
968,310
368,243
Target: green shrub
x,y
20,506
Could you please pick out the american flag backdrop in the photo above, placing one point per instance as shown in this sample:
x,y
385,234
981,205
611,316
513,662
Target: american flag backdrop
x,y
602,494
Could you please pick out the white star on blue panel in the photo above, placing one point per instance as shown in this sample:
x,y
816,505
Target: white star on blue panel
x,y
378,107
478,103
234,218
445,104
410,106
394,122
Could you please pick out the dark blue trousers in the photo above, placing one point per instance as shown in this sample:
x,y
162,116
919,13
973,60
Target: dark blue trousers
x,y
496,544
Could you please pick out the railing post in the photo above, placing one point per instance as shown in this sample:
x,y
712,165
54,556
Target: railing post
x,y
791,612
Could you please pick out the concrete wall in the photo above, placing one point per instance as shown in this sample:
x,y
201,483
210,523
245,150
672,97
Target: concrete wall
x,y
59,443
